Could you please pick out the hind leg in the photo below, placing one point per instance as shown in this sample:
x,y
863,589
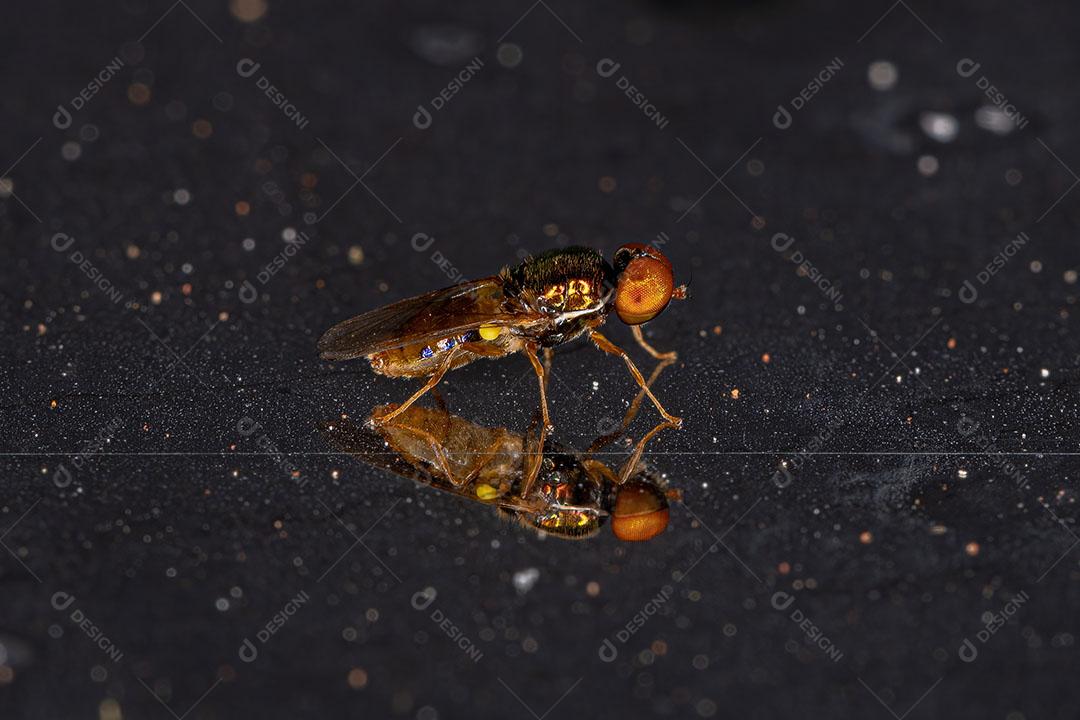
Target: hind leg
x,y
432,382
532,463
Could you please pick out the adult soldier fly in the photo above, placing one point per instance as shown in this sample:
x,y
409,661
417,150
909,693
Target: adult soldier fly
x,y
546,301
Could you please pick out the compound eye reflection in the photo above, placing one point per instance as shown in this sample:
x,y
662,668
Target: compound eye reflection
x,y
640,512
645,288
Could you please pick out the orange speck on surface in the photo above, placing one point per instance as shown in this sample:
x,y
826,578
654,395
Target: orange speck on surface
x,y
202,129
766,358
357,678
866,537
734,393
784,568
138,94
247,10
951,344
242,207
972,549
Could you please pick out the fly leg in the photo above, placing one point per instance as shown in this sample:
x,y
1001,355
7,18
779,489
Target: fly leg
x,y
631,412
640,337
628,468
438,449
609,347
549,357
533,462
432,382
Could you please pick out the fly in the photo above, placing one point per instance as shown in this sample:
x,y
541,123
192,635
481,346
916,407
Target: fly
x,y
547,300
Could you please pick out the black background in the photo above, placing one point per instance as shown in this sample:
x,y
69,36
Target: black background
x,y
182,535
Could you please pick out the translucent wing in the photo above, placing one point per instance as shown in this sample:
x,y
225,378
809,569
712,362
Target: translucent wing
x,y
450,311
491,457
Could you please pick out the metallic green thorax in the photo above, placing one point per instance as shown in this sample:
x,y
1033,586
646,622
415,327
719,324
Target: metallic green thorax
x,y
538,273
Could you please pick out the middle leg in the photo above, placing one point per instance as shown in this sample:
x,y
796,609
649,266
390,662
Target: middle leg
x,y
640,337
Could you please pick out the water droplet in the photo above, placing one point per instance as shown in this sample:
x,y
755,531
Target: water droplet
x,y
524,580
445,44
71,151
882,75
939,126
928,165
509,55
995,120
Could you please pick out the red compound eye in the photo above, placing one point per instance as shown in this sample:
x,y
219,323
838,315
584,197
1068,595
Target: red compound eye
x,y
640,512
646,284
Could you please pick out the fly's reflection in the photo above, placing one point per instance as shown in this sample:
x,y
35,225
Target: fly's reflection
x,y
573,495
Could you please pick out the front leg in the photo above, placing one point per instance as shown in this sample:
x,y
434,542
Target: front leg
x,y
631,463
640,337
631,412
609,347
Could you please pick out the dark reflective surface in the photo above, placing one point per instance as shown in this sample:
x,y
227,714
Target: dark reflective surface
x,y
868,480
572,496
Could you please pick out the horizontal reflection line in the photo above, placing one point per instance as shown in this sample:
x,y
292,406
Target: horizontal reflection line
x,y
222,453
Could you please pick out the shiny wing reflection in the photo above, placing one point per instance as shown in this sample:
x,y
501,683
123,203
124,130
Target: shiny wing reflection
x,y
573,496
